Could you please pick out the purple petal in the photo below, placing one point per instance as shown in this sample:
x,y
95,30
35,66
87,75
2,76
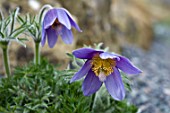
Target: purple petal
x,y
43,38
115,85
63,18
67,35
83,71
52,37
49,18
126,66
107,55
85,53
91,84
73,23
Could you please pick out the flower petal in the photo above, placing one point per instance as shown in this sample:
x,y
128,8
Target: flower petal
x,y
126,66
107,55
67,35
115,85
49,18
52,37
85,53
73,23
63,18
83,71
43,38
91,84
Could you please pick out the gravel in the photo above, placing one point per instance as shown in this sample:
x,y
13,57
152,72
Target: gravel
x,y
151,89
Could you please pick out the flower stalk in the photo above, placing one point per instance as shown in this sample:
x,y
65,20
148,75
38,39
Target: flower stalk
x,y
4,46
34,30
37,53
92,102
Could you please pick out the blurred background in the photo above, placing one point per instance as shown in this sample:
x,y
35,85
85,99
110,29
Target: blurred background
x,y
138,29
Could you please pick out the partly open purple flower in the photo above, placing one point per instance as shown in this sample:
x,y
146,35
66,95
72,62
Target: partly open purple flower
x,y
58,21
103,67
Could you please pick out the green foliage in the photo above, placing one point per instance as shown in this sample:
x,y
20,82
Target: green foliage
x,y
41,88
105,104
44,89
35,23
8,29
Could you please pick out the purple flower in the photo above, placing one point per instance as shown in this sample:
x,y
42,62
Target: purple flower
x,y
102,67
58,21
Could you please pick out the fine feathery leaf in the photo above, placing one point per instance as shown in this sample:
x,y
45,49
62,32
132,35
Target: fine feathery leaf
x,y
20,19
1,35
126,81
4,25
14,16
1,16
19,30
21,41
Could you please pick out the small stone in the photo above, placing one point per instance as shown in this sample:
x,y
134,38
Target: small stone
x,y
34,4
166,91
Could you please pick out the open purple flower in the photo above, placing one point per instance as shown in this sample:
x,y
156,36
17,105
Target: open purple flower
x,y
103,67
58,21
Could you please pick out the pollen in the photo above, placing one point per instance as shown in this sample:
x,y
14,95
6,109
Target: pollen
x,y
102,65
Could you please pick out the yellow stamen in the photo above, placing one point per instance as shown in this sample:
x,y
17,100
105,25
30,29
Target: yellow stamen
x,y
102,65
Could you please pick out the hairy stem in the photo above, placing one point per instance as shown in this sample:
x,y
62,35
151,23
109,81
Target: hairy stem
x,y
37,53
92,102
6,63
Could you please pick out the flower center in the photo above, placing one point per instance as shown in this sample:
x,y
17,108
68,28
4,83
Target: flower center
x,y
102,66
55,24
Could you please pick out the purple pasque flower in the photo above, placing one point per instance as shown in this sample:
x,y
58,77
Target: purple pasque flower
x,y
102,67
58,21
